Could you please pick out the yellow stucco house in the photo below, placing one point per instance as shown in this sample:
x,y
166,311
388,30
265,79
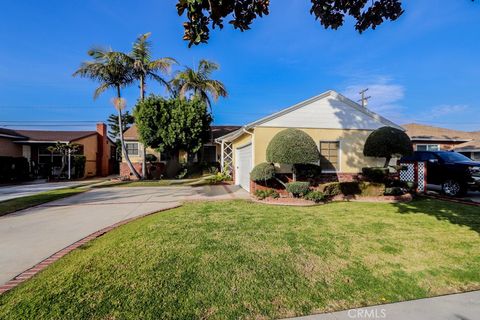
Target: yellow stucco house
x,y
338,125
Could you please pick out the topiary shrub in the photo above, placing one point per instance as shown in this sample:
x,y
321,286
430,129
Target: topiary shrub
x,y
387,142
372,189
345,188
394,191
292,146
263,172
298,189
315,196
262,194
307,170
78,162
375,174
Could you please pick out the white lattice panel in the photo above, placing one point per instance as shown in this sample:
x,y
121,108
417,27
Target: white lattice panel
x,y
409,174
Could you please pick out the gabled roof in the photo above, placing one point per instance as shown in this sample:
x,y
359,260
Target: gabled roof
x,y
424,133
131,133
471,146
52,136
329,94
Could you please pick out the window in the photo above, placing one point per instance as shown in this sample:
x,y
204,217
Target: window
x,y
428,147
132,148
329,156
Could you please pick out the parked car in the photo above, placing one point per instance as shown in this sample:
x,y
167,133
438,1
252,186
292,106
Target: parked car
x,y
454,172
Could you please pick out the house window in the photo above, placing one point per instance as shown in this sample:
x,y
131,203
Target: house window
x,y
330,156
132,148
428,147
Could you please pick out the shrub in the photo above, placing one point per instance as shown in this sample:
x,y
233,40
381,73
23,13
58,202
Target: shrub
x,y
307,170
345,188
315,196
394,191
151,158
218,177
79,166
292,146
372,189
375,174
387,142
298,189
14,169
262,194
263,172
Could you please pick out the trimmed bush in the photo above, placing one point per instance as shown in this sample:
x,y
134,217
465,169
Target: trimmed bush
x,y
262,194
387,142
292,146
394,191
307,170
372,189
14,169
78,163
151,158
298,189
315,196
345,188
375,174
263,172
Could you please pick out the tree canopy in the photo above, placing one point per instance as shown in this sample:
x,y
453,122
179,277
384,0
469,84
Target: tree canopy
x,y
292,146
387,142
203,15
172,124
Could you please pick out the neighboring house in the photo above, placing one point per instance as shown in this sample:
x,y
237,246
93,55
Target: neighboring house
x,y
210,151
338,125
97,148
430,138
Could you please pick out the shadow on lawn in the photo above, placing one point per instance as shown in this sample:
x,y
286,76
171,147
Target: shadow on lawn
x,y
455,213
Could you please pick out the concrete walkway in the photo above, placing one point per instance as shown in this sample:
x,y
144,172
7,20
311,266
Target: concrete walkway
x,y
29,236
27,189
462,306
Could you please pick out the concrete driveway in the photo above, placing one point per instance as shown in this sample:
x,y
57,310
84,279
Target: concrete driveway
x,y
29,236
30,188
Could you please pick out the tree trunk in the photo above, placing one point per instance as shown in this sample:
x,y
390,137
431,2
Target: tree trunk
x,y
122,142
144,149
387,162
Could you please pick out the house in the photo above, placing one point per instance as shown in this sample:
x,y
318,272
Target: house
x,y
210,151
432,138
97,148
337,124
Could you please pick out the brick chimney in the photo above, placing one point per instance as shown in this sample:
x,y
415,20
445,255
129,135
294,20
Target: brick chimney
x,y
103,150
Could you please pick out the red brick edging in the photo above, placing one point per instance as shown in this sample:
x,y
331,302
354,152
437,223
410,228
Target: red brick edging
x,y
27,274
470,203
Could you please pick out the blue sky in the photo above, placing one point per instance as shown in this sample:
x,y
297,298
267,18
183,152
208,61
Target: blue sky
x,y
422,68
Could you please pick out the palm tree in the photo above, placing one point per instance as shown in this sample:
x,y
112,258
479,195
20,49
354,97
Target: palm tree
x,y
145,68
198,83
112,70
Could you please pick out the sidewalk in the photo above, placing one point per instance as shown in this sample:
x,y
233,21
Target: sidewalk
x,y
461,306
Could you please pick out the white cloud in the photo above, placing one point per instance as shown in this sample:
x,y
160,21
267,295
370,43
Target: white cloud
x,y
386,97
445,110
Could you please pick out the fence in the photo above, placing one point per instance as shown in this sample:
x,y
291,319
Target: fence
x,y
415,171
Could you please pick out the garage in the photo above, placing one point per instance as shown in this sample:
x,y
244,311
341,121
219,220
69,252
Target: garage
x,y
244,166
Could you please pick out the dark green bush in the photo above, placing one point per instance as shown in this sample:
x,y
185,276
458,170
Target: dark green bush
x,y
262,172
262,194
387,142
307,170
345,188
315,196
298,188
78,165
394,191
375,174
14,169
292,146
151,158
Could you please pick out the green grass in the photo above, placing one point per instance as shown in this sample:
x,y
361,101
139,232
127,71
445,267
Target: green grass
x,y
12,205
237,259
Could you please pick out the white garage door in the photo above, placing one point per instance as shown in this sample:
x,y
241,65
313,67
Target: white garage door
x,y
244,166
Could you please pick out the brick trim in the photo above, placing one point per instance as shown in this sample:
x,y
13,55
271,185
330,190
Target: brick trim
x,y
439,197
27,274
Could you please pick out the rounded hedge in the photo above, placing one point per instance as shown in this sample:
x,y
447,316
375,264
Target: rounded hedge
x,y
387,142
262,172
292,146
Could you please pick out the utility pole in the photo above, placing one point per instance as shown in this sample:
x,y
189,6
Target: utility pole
x,y
364,99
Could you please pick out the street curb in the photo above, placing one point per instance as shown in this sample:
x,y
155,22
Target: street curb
x,y
470,203
27,274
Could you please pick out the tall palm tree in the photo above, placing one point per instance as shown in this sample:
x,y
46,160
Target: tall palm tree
x,y
144,67
197,82
113,71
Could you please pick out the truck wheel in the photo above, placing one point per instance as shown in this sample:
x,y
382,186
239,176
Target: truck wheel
x,y
453,188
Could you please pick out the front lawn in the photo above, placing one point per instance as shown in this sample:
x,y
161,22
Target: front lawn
x,y
12,205
237,259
